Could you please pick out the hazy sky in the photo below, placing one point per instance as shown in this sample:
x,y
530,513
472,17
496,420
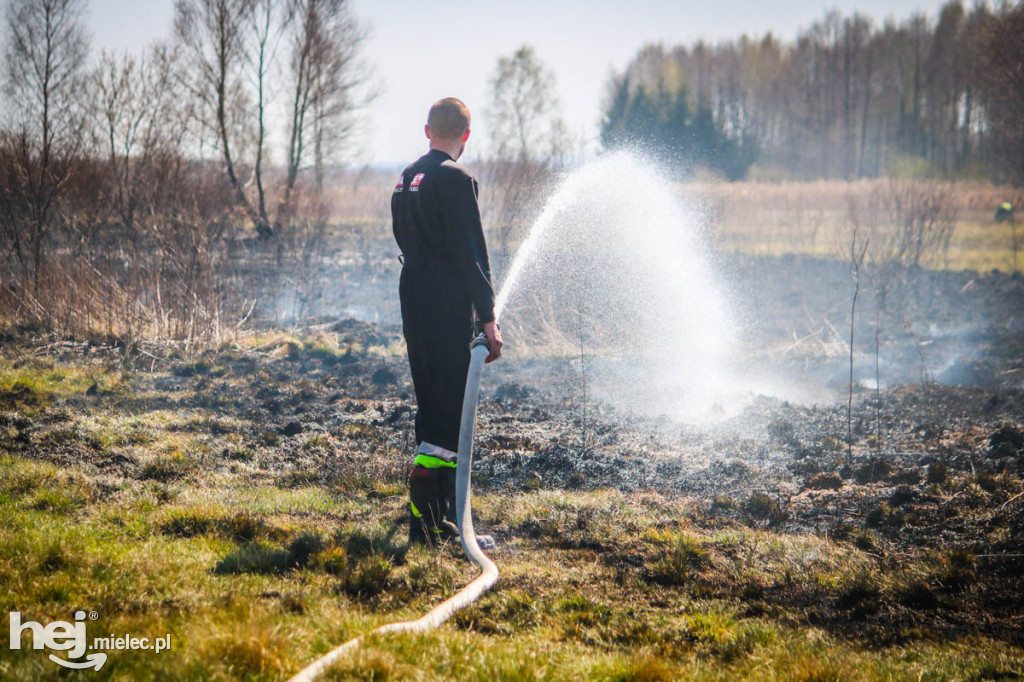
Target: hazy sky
x,y
422,51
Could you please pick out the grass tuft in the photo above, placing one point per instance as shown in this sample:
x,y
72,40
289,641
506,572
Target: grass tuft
x,y
677,566
859,595
187,524
304,546
643,667
165,468
333,560
760,506
370,577
256,557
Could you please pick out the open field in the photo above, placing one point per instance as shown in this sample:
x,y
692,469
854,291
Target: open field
x,y
746,424
807,218
769,218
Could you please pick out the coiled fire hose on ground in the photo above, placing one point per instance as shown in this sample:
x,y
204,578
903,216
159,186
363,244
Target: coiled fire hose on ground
x,y
488,571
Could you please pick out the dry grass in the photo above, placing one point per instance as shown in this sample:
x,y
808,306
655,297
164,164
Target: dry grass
x,y
750,217
806,218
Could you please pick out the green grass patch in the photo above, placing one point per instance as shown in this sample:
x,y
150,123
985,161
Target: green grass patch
x,y
39,382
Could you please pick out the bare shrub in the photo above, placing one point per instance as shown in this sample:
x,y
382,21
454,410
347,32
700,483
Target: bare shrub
x,y
140,116
305,263
512,193
171,276
919,219
853,246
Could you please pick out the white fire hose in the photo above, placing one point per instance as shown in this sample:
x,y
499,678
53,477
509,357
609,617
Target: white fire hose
x,y
488,571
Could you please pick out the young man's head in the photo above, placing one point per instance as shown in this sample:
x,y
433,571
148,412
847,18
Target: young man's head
x,y
448,126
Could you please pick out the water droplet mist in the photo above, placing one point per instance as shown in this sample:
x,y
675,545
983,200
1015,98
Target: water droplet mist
x,y
616,269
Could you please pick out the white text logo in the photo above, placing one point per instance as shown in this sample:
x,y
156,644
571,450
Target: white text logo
x,y
71,637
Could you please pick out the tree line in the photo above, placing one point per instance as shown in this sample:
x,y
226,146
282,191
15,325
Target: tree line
x,y
848,99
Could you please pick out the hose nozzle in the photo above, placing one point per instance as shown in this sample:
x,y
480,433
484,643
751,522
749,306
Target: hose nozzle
x,y
480,340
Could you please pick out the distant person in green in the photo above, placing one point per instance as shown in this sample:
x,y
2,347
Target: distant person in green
x,y
446,278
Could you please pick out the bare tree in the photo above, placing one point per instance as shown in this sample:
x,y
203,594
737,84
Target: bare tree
x,y
1000,56
118,110
338,76
45,53
267,19
326,78
140,118
213,32
527,139
523,102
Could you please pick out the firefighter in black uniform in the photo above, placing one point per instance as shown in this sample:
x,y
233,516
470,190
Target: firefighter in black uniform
x,y
445,277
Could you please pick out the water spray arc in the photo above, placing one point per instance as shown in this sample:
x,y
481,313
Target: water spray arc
x,y
620,260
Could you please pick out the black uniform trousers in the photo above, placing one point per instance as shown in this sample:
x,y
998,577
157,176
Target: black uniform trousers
x,y
438,323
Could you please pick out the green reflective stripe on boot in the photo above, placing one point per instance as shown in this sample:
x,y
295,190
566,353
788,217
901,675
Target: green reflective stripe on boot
x,y
415,511
431,462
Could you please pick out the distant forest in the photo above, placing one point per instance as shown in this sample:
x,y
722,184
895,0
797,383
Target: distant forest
x,y
847,99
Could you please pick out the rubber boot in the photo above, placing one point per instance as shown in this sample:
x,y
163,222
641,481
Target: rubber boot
x,y
429,505
433,517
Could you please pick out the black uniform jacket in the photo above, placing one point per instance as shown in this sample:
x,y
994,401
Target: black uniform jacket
x,y
436,219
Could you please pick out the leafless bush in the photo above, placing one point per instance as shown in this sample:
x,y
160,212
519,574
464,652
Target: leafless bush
x,y
45,49
168,272
911,222
919,219
114,233
112,220
852,247
306,247
512,193
140,118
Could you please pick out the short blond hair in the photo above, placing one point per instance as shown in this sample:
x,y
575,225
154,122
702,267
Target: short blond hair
x,y
448,118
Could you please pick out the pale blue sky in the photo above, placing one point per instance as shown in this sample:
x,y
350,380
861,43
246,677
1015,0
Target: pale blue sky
x,y
422,51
